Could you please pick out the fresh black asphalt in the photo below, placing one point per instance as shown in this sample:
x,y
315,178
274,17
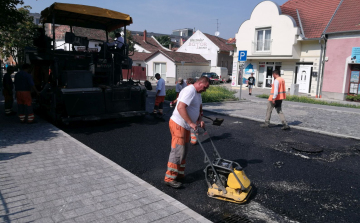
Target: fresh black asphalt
x,y
288,185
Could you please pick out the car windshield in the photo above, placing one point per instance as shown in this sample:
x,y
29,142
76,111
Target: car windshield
x,y
209,74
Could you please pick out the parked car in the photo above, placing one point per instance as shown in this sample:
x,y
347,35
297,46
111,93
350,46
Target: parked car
x,y
214,78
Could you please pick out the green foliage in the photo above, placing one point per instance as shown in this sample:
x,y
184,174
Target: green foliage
x,y
305,99
170,94
10,16
212,94
353,97
217,94
165,41
15,39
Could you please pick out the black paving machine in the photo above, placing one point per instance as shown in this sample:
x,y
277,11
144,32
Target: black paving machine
x,y
79,80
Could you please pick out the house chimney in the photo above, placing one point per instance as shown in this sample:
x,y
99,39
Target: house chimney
x,y
145,33
170,46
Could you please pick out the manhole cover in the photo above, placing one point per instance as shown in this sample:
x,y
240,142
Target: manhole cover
x,y
235,219
302,147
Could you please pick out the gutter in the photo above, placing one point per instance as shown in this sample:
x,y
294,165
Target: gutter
x,y
302,30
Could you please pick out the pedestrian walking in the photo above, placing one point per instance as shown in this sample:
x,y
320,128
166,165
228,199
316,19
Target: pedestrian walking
x,y
160,96
24,83
8,86
251,82
278,94
186,116
178,88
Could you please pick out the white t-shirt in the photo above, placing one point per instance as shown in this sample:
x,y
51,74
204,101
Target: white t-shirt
x,y
178,87
161,86
193,100
118,42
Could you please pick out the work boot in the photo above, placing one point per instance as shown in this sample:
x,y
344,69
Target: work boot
x,y
285,127
174,184
265,125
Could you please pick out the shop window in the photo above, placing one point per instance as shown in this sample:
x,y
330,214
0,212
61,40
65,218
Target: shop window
x,y
354,82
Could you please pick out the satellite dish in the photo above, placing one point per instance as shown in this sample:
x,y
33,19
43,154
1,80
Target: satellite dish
x,y
217,33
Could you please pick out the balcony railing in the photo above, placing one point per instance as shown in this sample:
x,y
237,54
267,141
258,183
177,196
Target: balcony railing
x,y
262,47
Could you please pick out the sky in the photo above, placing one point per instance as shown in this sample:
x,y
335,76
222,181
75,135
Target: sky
x,y
163,16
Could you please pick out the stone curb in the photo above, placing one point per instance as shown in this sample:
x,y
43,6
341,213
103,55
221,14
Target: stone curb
x,y
176,203
292,126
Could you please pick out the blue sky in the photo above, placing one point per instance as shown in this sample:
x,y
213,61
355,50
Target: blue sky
x,y
163,16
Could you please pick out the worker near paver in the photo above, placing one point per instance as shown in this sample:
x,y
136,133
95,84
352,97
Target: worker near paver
x,y
8,91
118,42
179,86
278,94
23,85
186,116
160,96
251,82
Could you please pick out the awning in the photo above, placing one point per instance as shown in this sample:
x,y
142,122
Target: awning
x,y
85,16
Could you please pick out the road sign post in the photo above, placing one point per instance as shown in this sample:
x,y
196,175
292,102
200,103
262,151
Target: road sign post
x,y
242,59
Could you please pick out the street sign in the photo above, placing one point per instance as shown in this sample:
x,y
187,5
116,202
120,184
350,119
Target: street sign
x,y
242,55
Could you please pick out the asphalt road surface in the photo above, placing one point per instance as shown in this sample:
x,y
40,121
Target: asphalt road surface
x,y
289,185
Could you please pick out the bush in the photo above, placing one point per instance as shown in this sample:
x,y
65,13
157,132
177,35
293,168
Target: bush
x,y
353,97
305,99
170,94
212,94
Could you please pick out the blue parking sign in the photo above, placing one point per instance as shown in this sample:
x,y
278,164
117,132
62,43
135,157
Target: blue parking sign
x,y
242,55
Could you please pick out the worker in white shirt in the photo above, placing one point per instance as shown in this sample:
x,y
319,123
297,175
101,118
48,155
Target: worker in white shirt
x,y
118,42
160,96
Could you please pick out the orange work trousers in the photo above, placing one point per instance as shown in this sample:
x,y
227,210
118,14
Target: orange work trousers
x,y
180,139
24,106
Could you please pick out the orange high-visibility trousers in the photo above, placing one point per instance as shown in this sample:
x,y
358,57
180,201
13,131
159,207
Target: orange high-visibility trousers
x,y
24,106
180,138
193,140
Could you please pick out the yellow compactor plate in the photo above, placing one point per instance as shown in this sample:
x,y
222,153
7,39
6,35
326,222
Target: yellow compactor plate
x,y
232,195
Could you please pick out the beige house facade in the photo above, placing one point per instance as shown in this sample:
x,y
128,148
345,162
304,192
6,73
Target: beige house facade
x,y
274,41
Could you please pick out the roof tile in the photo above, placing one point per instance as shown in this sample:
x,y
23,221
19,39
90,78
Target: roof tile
x,y
347,17
314,14
220,42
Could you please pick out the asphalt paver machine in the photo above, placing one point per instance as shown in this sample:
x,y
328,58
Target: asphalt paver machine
x,y
226,179
79,80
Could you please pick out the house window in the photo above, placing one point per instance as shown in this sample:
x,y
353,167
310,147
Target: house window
x,y
161,69
354,80
263,39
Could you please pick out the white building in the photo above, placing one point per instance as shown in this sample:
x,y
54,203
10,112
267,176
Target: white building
x,y
283,38
173,65
214,49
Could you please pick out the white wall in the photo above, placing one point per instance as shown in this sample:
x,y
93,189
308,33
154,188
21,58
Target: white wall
x,y
160,58
186,71
284,32
198,43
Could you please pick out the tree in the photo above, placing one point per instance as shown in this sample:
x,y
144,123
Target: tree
x,y
14,40
10,16
165,41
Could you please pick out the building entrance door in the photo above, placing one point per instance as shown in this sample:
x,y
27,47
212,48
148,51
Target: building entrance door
x,y
303,78
268,76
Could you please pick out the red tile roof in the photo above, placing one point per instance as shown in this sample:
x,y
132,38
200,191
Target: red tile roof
x,y
150,44
140,56
347,17
314,14
220,42
177,57
231,41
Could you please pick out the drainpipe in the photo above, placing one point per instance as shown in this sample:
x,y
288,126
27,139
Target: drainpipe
x,y
320,66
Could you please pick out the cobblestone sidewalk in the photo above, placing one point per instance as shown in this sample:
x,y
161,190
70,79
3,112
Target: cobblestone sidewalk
x,y
337,121
47,176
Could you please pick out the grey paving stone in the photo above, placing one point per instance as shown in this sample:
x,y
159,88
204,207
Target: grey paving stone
x,y
124,216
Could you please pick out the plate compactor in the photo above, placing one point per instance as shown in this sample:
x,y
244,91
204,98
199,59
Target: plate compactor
x,y
226,179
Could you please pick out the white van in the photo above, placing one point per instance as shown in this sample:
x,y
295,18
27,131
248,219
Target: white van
x,y
222,72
